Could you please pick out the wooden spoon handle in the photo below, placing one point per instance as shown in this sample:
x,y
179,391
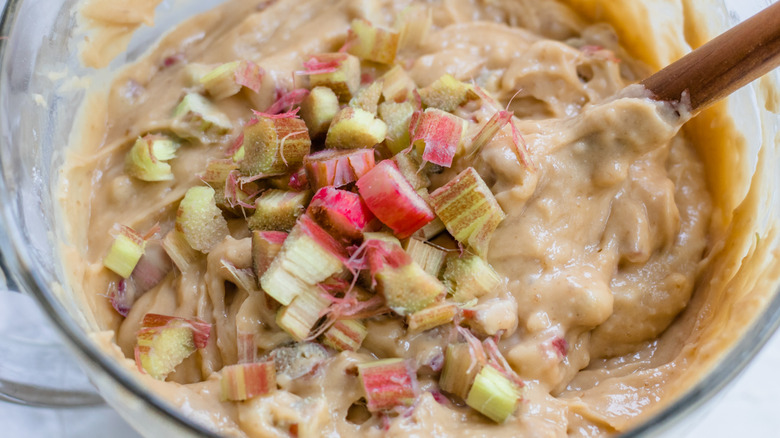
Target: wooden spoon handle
x,y
723,65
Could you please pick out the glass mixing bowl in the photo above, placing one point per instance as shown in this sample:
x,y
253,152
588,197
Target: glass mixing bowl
x,y
41,85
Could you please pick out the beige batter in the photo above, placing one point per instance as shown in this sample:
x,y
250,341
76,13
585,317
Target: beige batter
x,y
606,238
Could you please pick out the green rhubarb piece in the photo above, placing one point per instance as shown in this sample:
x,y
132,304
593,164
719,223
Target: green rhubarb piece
x,y
147,158
200,220
300,316
125,252
468,277
447,94
354,128
196,117
277,210
397,117
493,394
318,109
469,210
274,146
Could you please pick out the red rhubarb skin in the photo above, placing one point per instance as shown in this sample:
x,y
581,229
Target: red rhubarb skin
x,y
338,168
200,330
308,226
393,200
389,386
342,213
440,134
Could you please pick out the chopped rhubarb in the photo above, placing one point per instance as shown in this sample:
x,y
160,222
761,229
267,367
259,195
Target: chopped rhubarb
x,y
469,210
277,210
393,200
309,255
406,287
318,110
372,43
125,252
447,94
227,79
218,171
243,278
493,394
345,335
368,97
179,250
200,219
343,214
430,317
388,383
429,257
431,230
469,277
486,134
397,116
298,360
265,247
193,71
302,314
196,117
354,128
247,380
163,342
147,158
152,267
411,167
338,71
397,85
461,366
336,167
274,145
437,135
414,23
288,101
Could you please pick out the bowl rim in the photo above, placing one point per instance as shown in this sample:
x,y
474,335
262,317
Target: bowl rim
x,y
17,267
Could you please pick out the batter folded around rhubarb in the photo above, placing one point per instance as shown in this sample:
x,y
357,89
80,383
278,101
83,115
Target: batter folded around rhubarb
x,y
607,229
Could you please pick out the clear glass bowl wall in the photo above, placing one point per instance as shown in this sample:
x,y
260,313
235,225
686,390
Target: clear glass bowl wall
x,y
37,111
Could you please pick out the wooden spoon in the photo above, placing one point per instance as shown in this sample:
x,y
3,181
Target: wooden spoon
x,y
732,60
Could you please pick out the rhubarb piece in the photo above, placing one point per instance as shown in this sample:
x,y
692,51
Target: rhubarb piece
x,y
397,85
227,79
243,278
493,394
152,267
343,214
125,252
265,247
194,71
163,342
277,210
437,135
469,210
433,229
411,167
147,158
338,71
429,257
179,250
336,167
309,255
354,128
298,360
318,110
414,24
461,366
236,196
486,134
345,335
397,117
372,43
196,117
274,145
288,101
302,314
407,288
430,317
367,98
469,277
447,94
393,200
388,383
218,171
200,220
244,381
